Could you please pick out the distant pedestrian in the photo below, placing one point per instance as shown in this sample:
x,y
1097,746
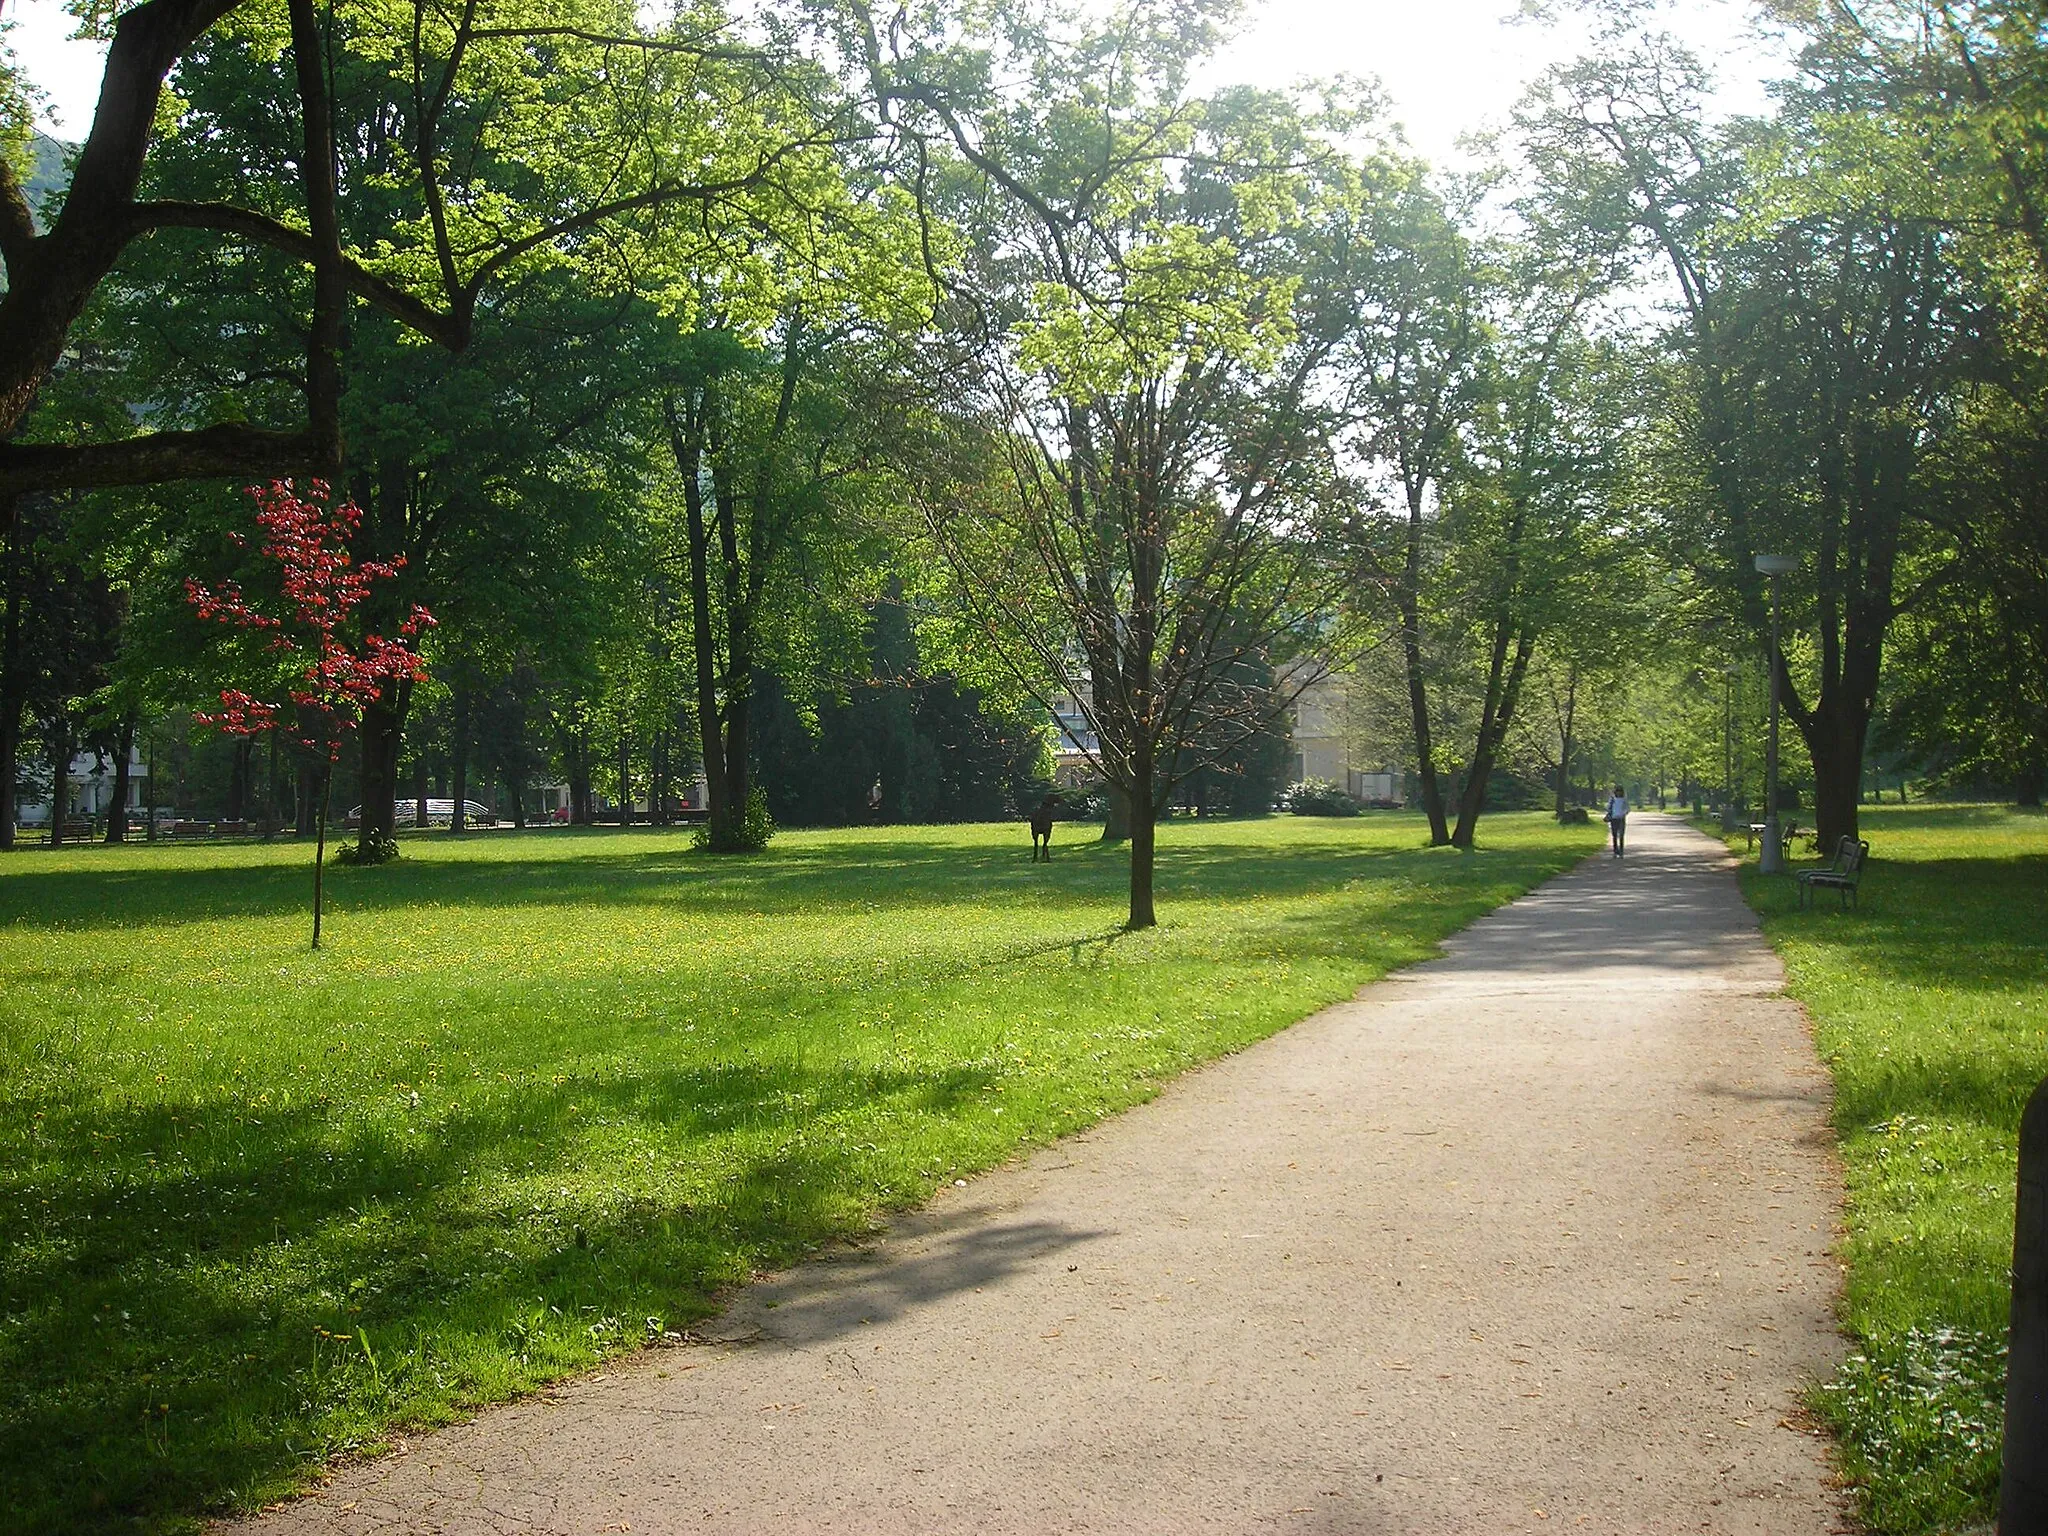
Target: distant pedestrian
x,y
1041,830
1617,819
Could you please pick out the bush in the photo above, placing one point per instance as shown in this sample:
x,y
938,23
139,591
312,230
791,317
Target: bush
x,y
369,848
755,829
1573,816
1318,797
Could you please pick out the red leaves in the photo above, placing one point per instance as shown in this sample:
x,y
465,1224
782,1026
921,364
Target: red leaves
x,y
323,584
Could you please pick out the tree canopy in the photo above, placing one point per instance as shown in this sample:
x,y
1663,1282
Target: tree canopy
x,y
751,390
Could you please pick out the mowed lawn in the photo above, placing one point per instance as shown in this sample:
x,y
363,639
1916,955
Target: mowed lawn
x,y
544,1095
1930,1006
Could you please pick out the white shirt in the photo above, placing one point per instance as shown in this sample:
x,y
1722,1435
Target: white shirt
x,y
1617,808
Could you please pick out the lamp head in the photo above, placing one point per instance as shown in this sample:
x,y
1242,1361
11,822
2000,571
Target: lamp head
x,y
1777,565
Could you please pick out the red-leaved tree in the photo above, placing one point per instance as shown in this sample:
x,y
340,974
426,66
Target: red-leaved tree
x,y
328,670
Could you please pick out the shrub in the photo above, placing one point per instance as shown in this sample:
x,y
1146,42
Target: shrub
x,y
1318,797
369,848
753,833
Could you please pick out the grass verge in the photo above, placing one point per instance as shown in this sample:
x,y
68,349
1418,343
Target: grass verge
x,y
1930,1007
544,1095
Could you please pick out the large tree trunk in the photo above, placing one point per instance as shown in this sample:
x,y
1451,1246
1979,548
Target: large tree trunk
x,y
60,778
273,801
13,673
383,736
238,779
657,779
687,440
1836,746
1567,718
117,808
1503,693
1144,840
576,762
1837,725
458,749
10,747
1410,604
419,793
739,780
741,590
1425,746
625,782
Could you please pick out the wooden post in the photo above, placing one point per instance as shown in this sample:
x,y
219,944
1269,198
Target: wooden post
x,y
2023,1488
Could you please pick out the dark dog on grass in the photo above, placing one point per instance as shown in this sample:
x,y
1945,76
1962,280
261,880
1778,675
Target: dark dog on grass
x,y
1041,829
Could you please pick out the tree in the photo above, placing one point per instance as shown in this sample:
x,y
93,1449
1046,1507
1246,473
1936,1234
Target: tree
x,y
58,622
1530,515
777,442
1140,326
327,671
493,473
1411,366
1929,111
935,747
1819,349
513,138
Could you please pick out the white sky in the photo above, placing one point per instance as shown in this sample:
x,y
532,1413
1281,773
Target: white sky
x,y
1450,67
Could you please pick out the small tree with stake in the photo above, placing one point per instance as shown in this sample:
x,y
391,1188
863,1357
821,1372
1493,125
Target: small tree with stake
x,y
328,671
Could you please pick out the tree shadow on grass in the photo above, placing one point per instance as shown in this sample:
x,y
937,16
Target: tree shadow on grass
x,y
202,1299
1951,942
853,876
1959,925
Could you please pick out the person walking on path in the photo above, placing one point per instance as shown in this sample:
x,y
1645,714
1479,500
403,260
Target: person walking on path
x,y
1617,820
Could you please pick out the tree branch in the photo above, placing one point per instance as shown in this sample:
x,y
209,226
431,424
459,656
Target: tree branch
x,y
237,452
260,229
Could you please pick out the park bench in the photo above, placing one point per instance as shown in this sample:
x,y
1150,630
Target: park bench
x,y
1841,875
232,829
1788,834
191,829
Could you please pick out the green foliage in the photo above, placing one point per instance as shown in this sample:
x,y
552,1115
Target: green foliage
x,y
938,751
1930,1007
268,1206
750,835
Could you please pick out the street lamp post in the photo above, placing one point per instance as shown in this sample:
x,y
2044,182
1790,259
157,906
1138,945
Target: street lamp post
x,y
1772,861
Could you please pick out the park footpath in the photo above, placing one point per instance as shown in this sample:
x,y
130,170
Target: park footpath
x,y
1536,1236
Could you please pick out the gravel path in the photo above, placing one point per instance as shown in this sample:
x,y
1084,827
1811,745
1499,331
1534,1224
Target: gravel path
x,y
1535,1236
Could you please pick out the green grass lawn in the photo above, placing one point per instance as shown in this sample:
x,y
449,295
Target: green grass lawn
x,y
545,1094
1930,1006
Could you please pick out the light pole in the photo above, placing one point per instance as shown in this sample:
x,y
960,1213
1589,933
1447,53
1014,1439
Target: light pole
x,y
1772,861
